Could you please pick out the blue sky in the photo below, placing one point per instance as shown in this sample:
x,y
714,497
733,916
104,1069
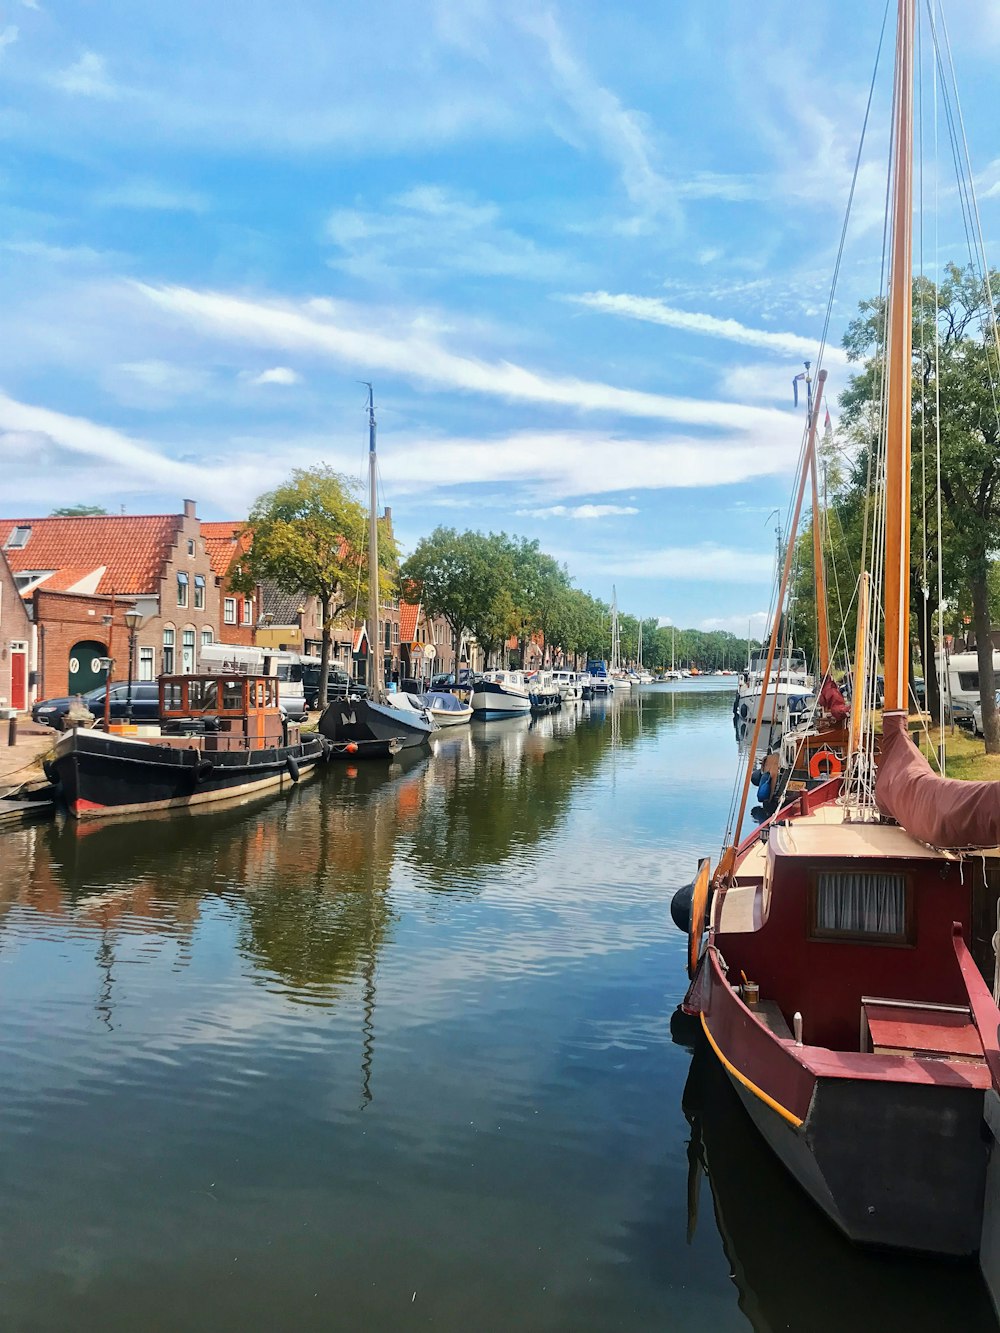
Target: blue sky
x,y
580,249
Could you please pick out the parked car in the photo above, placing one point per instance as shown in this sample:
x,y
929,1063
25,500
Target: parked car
x,y
977,716
338,684
145,704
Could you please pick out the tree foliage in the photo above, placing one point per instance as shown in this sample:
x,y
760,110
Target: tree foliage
x,y
309,535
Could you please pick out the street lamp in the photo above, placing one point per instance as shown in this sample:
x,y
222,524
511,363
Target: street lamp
x,y
133,619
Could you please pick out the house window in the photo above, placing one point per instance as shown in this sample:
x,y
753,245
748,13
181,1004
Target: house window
x,y
187,651
168,651
388,634
199,592
182,589
247,611
860,905
146,664
18,538
190,546
395,631
206,637
229,610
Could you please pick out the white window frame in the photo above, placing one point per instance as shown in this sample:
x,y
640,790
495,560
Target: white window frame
x,y
199,592
147,663
182,588
229,610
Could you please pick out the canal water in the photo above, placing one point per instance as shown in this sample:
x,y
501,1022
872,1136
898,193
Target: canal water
x,y
395,1051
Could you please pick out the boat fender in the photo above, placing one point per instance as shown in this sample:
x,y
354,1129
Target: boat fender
x,y
48,768
825,764
351,747
293,768
204,770
680,907
755,777
764,788
744,711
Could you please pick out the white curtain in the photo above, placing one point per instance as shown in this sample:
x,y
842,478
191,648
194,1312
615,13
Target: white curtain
x,y
861,903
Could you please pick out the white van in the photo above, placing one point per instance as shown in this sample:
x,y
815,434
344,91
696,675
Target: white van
x,y
288,667
961,683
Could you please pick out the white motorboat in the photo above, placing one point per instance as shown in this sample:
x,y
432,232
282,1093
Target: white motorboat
x,y
446,709
569,685
500,694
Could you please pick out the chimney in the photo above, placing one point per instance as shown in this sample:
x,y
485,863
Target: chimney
x,y
190,509
387,515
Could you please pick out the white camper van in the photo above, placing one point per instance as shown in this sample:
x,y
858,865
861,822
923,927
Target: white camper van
x,y
961,683
288,667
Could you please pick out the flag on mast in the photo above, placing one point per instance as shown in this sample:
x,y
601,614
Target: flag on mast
x,y
802,375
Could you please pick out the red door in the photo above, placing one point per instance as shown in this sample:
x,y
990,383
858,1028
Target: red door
x,y
19,679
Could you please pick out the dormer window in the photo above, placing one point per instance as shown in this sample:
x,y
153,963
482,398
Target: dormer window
x,y
18,538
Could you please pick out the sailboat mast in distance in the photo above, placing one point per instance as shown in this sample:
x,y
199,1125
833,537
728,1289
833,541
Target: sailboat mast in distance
x,y
374,645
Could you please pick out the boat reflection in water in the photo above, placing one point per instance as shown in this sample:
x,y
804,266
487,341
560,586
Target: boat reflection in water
x,y
791,1266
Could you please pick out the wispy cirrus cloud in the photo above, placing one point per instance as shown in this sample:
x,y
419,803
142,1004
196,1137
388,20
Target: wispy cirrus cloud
x,y
336,330
153,195
229,469
651,310
283,375
431,229
621,134
585,511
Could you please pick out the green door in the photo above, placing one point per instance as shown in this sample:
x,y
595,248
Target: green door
x,y
85,670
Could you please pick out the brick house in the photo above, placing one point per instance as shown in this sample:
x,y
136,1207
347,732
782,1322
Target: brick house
x,y
227,543
158,563
17,639
418,630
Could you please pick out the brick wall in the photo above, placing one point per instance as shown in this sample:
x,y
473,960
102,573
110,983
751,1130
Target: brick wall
x,y
66,618
15,627
188,557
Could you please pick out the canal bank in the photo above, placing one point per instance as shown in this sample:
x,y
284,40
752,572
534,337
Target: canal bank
x,y
392,1049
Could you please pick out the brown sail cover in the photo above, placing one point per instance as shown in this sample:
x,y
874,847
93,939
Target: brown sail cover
x,y
942,812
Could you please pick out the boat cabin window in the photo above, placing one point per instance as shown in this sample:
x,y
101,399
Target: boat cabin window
x,y
860,905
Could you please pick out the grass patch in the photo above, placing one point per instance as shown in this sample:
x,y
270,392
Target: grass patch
x,y
965,756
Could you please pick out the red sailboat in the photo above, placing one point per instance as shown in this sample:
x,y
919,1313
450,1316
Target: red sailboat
x,y
836,984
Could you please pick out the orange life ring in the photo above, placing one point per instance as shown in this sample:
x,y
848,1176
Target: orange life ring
x,y
825,764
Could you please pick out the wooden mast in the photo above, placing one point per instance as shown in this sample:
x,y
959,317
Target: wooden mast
x,y
819,573
375,690
728,859
899,355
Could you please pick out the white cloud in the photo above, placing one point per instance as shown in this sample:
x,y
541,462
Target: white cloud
x,y
87,77
230,469
8,36
707,563
587,511
277,375
152,195
651,310
429,228
350,337
620,133
756,623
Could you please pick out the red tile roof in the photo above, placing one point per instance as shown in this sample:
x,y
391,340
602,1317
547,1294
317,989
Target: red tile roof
x,y
224,541
62,580
408,617
133,547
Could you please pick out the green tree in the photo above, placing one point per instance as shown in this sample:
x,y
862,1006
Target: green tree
x,y
954,365
309,535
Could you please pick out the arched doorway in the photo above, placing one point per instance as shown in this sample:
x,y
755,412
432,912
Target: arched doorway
x,y
85,669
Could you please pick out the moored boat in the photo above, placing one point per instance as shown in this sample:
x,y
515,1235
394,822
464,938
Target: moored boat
x,y
841,985
219,737
499,694
383,722
445,708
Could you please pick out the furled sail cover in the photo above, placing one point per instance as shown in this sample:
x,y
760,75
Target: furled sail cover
x,y
942,812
